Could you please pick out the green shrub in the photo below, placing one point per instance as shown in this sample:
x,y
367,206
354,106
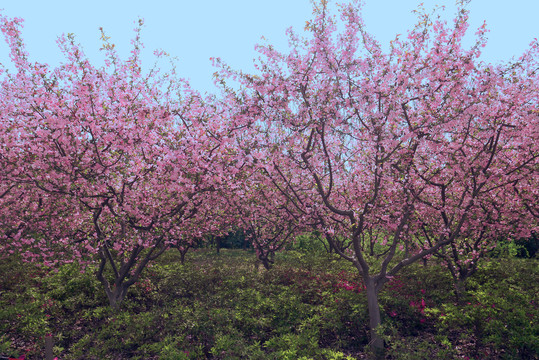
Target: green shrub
x,y
502,318
311,243
309,306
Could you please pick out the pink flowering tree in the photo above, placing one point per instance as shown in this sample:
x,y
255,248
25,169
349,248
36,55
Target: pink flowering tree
x,y
109,164
405,152
485,155
265,216
265,199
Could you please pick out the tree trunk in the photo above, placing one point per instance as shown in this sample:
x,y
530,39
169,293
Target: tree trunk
x,y
218,244
116,295
116,291
182,257
331,248
458,281
460,289
183,251
49,347
266,262
376,343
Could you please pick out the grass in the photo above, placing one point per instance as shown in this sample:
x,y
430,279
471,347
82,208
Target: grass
x,y
309,306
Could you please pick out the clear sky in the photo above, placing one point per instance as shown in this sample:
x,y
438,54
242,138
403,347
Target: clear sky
x,y
195,30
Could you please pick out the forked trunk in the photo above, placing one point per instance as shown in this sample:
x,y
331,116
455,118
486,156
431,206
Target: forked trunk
x,y
267,262
116,295
182,252
124,275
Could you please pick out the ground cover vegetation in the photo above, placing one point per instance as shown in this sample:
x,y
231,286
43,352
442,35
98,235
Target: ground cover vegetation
x,y
389,158
310,305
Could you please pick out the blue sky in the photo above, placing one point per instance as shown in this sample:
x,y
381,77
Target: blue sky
x,y
194,31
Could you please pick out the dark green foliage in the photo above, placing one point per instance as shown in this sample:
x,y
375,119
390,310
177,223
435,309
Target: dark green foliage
x,y
234,240
528,248
310,243
501,310
217,306
525,248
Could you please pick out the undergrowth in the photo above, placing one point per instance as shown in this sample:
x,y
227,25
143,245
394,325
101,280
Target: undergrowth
x,y
306,307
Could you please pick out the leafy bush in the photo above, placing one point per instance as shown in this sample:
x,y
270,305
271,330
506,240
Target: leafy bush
x,y
308,306
309,243
500,312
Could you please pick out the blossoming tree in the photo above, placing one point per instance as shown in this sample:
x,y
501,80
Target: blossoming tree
x,y
265,215
485,151
105,163
410,148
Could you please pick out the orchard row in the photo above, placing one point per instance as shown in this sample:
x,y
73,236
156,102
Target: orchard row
x,y
392,156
